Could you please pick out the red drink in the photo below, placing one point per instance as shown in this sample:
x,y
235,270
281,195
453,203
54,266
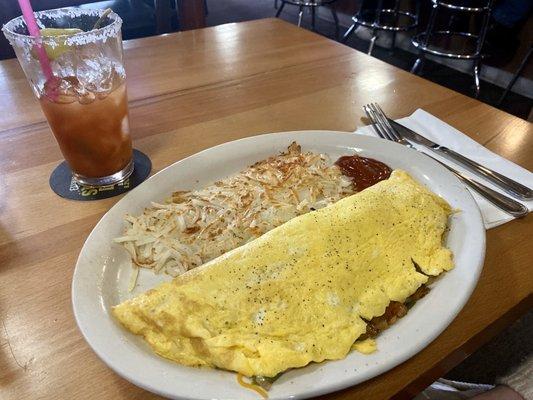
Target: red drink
x,y
83,90
92,131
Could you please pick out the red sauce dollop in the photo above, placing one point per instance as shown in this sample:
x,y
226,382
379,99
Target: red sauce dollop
x,y
364,171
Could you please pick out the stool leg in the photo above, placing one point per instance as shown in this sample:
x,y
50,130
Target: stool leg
x,y
419,63
374,30
484,28
336,19
516,75
300,15
477,65
313,18
280,9
396,16
480,42
349,32
351,29
372,42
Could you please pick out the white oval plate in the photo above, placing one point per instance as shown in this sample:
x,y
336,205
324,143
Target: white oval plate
x,y
102,274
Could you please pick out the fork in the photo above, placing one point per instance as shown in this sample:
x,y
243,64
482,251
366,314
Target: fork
x,y
385,130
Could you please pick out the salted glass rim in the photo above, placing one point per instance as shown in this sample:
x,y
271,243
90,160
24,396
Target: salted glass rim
x,y
108,31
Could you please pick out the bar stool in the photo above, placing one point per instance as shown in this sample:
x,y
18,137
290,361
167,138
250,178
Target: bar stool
x,y
516,75
313,5
441,42
383,19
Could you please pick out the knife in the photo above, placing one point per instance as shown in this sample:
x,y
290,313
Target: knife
x,y
507,184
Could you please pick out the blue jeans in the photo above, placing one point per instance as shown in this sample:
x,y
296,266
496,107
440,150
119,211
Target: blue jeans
x,y
510,12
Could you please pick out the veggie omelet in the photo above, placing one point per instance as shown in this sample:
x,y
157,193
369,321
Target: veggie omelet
x,y
303,291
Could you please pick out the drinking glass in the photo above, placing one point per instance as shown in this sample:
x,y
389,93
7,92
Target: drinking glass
x,y
84,99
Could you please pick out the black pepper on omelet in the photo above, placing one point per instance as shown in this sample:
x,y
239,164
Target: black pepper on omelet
x,y
278,299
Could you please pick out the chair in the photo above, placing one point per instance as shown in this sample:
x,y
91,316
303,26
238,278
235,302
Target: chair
x,y
138,17
383,19
450,43
312,5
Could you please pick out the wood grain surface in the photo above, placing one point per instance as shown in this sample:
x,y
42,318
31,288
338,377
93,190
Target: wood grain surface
x,y
189,91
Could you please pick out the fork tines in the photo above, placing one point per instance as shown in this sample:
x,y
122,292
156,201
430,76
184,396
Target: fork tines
x,y
380,122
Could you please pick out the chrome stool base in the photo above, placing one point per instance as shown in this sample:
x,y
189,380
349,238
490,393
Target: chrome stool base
x,y
312,4
443,43
473,6
469,40
382,19
364,22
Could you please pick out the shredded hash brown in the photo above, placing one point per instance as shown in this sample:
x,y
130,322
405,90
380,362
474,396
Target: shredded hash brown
x,y
193,227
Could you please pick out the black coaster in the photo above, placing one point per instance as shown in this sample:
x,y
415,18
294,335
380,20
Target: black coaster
x,y
63,184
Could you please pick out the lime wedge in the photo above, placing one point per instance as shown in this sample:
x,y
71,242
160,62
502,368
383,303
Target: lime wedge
x,y
55,51
60,31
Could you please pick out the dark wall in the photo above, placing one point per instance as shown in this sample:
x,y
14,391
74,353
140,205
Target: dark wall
x,y
9,9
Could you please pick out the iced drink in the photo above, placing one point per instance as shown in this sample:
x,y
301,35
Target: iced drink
x,y
85,100
92,131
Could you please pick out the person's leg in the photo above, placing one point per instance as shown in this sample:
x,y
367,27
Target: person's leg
x,y
503,35
510,13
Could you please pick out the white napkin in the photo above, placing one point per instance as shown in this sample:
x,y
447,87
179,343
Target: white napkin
x,y
446,135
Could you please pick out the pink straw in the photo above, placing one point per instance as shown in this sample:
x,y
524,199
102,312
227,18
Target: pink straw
x,y
31,23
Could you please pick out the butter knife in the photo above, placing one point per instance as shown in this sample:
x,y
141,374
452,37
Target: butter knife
x,y
507,184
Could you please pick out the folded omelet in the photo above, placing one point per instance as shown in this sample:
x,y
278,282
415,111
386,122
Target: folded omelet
x,y
303,291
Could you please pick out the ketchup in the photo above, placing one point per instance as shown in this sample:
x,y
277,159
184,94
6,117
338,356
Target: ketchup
x,y
364,171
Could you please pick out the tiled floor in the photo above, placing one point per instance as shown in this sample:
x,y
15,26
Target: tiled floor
x,y
499,356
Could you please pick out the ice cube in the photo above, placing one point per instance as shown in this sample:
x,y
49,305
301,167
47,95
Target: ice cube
x,y
87,97
100,95
65,99
65,64
61,90
94,71
85,94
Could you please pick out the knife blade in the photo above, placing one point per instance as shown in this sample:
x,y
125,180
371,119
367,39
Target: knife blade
x,y
507,184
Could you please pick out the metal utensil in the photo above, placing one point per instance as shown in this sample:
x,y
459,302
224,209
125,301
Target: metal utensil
x,y
384,129
507,184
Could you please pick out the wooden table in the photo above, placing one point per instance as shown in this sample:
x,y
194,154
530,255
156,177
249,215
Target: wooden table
x,y
193,90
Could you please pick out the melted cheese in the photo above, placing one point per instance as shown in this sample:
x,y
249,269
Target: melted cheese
x,y
301,292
